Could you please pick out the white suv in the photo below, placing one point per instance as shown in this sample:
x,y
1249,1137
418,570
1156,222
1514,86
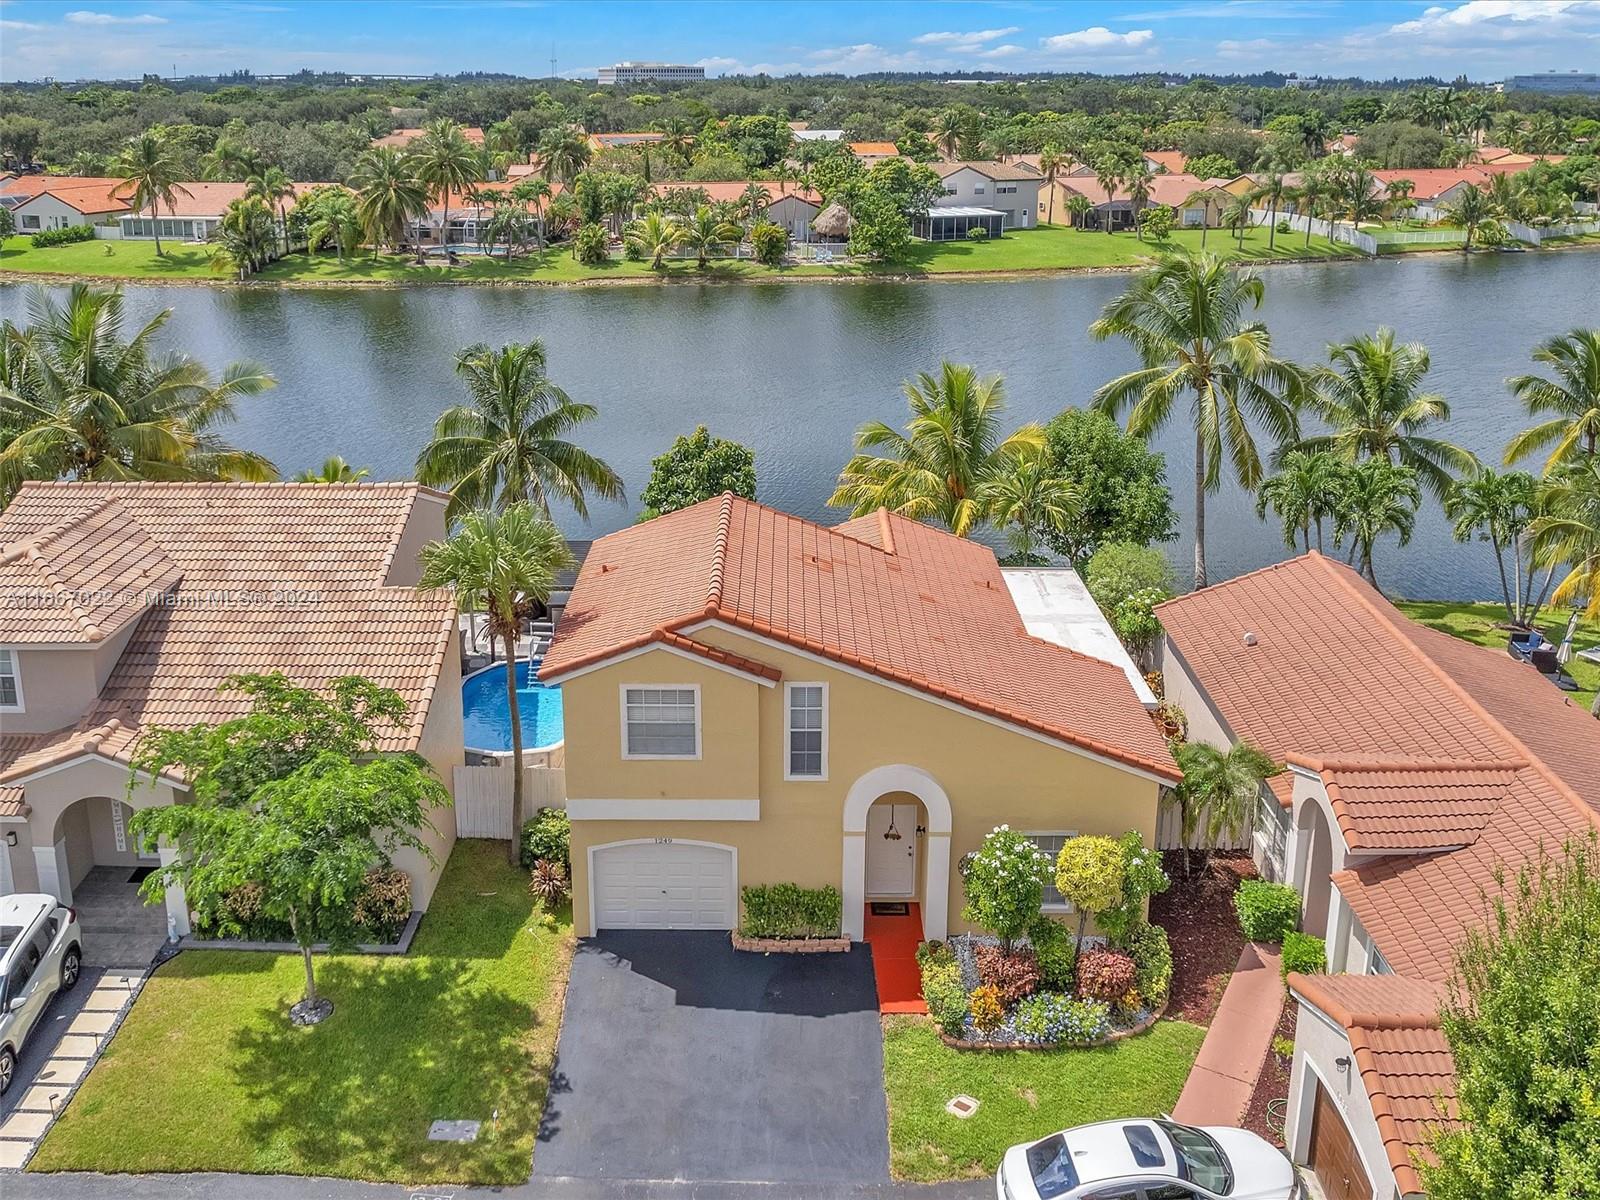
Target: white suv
x,y
41,953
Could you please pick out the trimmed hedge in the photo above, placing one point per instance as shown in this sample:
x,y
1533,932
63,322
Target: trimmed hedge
x,y
787,910
1267,911
1305,953
62,237
942,989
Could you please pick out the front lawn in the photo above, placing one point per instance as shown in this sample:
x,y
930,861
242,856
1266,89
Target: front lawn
x,y
1024,1094
1483,624
207,1074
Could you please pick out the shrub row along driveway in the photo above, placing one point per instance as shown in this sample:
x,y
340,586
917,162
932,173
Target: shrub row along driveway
x,y
683,1059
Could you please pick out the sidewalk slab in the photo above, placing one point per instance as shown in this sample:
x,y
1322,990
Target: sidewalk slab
x,y
1219,1088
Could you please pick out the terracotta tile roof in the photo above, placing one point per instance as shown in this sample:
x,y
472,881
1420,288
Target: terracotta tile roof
x,y
32,185
206,198
1172,190
875,149
1405,1062
998,171
402,138
882,594
1432,182
1174,161
91,197
81,580
290,577
1430,742
734,189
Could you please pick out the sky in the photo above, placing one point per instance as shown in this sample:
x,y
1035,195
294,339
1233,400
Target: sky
x,y
1483,39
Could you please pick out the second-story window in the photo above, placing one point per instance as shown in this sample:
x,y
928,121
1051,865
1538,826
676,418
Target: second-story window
x,y
807,731
661,722
10,685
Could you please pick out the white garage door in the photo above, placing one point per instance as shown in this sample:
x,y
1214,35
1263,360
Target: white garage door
x,y
663,885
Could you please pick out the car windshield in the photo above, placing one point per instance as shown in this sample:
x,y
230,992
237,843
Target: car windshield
x,y
1200,1160
9,934
1050,1164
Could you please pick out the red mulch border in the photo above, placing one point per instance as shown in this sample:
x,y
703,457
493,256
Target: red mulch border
x,y
1273,1082
1203,929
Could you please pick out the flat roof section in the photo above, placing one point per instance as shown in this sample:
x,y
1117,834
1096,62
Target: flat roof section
x,y
1057,607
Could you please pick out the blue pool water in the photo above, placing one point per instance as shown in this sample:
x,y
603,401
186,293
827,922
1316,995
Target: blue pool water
x,y
487,717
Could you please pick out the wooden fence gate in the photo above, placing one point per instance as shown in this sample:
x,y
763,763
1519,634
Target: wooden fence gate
x,y
483,797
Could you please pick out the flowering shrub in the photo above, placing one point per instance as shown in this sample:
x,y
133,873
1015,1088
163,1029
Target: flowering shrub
x,y
1004,883
1152,960
1142,877
1055,952
1015,974
987,1009
1054,1017
1105,974
942,989
1089,872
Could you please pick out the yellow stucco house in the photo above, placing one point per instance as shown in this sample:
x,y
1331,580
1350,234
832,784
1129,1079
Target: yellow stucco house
x,y
754,698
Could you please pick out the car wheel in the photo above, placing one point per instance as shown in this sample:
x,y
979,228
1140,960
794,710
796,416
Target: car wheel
x,y
71,968
8,1068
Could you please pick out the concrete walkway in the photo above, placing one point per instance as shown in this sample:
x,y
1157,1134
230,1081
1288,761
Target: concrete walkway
x,y
1225,1073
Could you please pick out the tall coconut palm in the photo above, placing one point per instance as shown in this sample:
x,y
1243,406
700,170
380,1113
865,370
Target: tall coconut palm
x,y
500,563
1571,400
1304,493
951,449
705,231
443,161
1469,210
1138,178
1188,318
83,402
1054,163
1025,499
388,195
1567,533
1108,173
507,444
1309,198
677,137
950,129
1371,399
1236,216
1273,189
1202,199
1377,498
535,193
753,201
653,237
1498,508
150,168
272,186
1219,792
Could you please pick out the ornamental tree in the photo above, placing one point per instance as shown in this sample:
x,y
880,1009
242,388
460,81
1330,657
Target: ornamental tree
x,y
696,468
1121,485
1142,877
1089,874
1004,884
1523,1021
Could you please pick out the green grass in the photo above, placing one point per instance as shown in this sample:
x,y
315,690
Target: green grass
x,y
1048,248
207,1074
1023,1094
1482,623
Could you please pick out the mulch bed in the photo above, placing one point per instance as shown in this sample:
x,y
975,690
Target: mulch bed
x,y
1273,1084
1198,915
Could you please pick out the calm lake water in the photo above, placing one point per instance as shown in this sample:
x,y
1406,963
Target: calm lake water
x,y
793,369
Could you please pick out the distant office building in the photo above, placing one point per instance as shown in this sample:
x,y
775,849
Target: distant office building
x,y
646,72
1296,81
1585,82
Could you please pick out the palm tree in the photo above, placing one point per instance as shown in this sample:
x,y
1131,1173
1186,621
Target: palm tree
x,y
389,197
1309,198
951,450
564,152
230,160
1186,317
1497,508
1272,189
150,169
1108,174
677,136
653,237
501,563
1572,400
705,231
1220,790
535,192
443,161
337,220
1378,497
1201,198
753,201
1138,180
273,186
1469,210
1398,194
506,445
949,130
1371,402
1303,494
1237,217
334,470
246,238
1079,206
1567,532
82,402
1054,164
1589,177
1026,498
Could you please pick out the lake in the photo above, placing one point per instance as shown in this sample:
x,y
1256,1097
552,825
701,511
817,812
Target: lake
x,y
793,368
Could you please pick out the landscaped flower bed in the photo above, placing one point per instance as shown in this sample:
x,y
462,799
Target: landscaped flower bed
x,y
785,918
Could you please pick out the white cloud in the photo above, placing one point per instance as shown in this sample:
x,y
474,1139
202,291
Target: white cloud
x,y
1004,51
1098,38
964,41
19,25
1477,13
864,57
85,17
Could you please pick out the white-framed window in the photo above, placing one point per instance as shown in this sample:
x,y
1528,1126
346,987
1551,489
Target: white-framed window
x,y
805,730
661,721
978,189
1051,843
29,221
10,681
1377,964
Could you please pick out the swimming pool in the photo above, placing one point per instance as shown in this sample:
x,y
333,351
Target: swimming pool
x,y
486,718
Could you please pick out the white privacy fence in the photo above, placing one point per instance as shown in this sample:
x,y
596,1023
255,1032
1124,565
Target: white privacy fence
x,y
1420,237
483,797
1534,235
1343,234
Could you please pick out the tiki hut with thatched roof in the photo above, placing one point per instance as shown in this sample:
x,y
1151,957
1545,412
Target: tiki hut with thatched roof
x,y
833,223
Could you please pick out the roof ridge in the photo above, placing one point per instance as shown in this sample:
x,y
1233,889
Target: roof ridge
x,y
1400,765
34,551
719,554
1213,588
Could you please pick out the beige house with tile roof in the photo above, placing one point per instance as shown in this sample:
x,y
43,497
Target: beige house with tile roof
x,y
1422,770
125,605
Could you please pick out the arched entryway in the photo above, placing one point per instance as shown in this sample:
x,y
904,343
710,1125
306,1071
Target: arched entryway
x,y
1313,866
89,859
913,862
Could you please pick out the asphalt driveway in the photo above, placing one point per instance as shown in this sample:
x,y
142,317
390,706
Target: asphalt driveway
x,y
680,1059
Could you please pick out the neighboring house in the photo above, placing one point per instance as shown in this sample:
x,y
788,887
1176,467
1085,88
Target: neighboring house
x,y
874,152
1010,189
792,206
804,133
601,142
197,209
401,138
1173,162
469,214
1433,187
751,698
71,202
1419,765
125,605
1209,199
1344,145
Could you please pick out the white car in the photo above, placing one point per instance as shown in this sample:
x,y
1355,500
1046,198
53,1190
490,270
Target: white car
x,y
41,953
1147,1160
